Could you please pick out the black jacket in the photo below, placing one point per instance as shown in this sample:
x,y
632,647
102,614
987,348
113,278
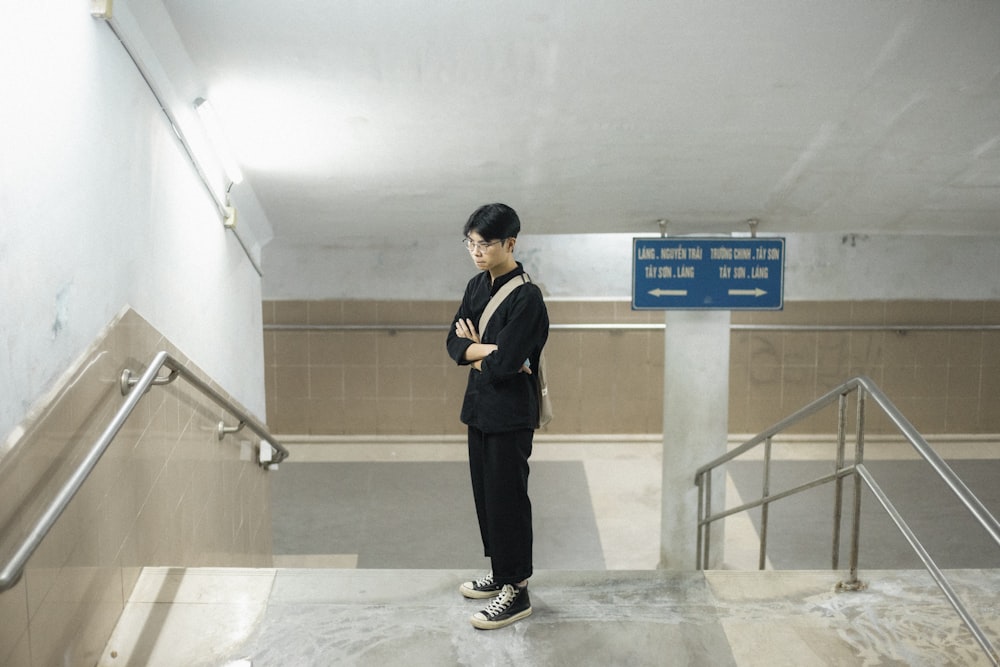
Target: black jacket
x,y
500,398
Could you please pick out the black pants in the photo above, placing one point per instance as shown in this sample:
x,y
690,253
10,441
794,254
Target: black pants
x,y
499,466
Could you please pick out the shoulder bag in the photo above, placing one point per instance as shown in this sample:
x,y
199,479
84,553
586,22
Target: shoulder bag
x,y
542,387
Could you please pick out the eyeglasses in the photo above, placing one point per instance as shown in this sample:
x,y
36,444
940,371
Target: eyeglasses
x,y
479,245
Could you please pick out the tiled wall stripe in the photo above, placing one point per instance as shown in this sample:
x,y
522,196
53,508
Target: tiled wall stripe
x,y
403,383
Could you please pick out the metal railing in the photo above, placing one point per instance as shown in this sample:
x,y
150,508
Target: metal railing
x,y
133,388
864,388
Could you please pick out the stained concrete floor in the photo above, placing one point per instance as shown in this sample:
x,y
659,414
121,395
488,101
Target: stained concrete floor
x,y
383,617
395,610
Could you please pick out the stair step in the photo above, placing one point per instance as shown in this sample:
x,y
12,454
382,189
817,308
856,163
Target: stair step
x,y
302,617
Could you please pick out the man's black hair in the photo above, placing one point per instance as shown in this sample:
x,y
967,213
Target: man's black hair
x,y
493,222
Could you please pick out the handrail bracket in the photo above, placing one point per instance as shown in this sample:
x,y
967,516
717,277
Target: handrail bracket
x,y
129,379
222,431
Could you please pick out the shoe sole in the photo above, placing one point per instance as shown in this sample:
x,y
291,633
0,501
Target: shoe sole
x,y
473,594
494,625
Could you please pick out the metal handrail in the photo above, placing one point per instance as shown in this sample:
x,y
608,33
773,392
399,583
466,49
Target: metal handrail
x,y
133,389
861,474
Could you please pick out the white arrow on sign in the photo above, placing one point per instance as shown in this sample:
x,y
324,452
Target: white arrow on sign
x,y
747,292
668,292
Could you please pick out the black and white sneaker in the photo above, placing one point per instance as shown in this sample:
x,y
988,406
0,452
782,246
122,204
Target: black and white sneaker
x,y
512,604
481,588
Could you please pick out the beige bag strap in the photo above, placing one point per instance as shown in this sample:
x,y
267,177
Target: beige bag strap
x,y
544,403
498,298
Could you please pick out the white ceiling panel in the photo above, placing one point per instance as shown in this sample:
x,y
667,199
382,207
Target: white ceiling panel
x,y
384,118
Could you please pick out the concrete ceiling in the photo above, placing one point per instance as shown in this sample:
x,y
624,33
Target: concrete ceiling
x,y
396,118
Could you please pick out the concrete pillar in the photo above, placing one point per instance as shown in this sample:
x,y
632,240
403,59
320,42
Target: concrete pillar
x,y
695,426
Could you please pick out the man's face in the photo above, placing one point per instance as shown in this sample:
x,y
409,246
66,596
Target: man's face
x,y
489,254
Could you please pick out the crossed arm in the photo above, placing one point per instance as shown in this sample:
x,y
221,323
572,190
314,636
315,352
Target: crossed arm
x,y
464,328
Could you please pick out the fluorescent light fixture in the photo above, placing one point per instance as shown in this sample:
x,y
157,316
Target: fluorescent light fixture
x,y
213,128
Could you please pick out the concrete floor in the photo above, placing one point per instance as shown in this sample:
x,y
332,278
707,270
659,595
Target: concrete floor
x,y
316,607
381,618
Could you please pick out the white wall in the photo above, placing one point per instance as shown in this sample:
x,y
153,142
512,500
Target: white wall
x,y
818,268
100,208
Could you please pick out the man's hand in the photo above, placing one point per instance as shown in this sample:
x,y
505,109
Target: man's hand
x,y
464,328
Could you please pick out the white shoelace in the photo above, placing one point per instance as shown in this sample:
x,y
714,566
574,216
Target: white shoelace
x,y
507,596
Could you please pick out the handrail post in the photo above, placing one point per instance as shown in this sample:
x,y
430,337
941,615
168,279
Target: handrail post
x,y
838,485
701,517
707,539
762,555
853,584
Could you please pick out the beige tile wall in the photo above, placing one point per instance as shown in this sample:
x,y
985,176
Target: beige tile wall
x,y
403,383
943,381
167,492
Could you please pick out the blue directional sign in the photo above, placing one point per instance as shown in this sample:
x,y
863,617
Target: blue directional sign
x,y
686,273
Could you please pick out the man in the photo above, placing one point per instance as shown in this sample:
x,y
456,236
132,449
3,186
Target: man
x,y
500,409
